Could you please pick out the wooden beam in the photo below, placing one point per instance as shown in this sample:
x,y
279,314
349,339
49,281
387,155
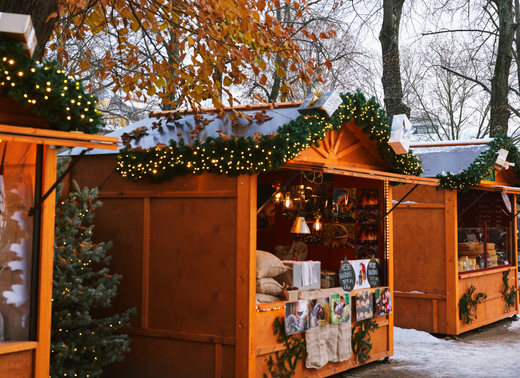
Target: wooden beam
x,y
54,141
398,294
17,346
218,360
337,142
164,194
350,149
369,145
435,316
451,258
389,220
198,337
43,351
245,350
146,264
321,151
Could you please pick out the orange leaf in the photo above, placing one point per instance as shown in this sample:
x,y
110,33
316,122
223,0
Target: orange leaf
x,y
51,16
328,64
84,65
263,80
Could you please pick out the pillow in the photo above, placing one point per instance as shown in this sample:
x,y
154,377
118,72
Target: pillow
x,y
268,265
266,298
268,286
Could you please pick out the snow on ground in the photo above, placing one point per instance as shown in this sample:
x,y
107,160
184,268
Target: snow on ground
x,y
423,353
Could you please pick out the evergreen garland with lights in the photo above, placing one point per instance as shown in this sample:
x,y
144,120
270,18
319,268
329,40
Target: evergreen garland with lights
x,y
81,343
481,167
50,93
245,155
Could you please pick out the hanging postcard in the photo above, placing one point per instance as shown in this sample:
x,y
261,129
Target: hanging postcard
x,y
383,302
364,305
296,317
319,312
366,240
340,308
345,204
339,235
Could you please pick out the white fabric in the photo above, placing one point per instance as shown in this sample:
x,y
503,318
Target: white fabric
x,y
308,273
330,343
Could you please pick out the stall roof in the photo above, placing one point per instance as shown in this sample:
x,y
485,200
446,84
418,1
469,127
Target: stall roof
x,y
437,158
161,127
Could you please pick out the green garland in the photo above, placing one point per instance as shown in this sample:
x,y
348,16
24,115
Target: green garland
x,y
50,93
473,175
509,293
361,341
286,362
468,305
243,155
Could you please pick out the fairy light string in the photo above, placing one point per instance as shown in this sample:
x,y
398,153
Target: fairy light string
x,y
60,99
234,157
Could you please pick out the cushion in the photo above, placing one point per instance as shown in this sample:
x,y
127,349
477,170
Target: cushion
x,y
268,286
268,265
266,298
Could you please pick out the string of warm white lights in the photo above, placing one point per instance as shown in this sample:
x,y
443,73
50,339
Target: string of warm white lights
x,y
234,157
46,88
269,309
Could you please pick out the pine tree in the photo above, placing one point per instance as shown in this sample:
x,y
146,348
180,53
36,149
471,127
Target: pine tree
x,y
80,343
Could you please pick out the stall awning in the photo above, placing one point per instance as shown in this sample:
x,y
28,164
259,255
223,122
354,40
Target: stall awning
x,y
360,172
499,188
56,138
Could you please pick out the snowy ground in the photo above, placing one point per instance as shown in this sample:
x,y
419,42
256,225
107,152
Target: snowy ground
x,y
492,352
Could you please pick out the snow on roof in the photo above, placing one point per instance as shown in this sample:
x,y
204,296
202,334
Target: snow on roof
x,y
170,128
447,158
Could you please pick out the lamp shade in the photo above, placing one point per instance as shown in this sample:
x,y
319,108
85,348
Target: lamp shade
x,y
300,226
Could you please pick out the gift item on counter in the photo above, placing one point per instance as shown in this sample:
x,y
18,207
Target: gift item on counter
x,y
266,298
19,28
297,251
268,286
328,279
268,265
305,275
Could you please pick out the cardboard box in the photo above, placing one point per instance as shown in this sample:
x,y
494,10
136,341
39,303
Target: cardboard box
x,y
401,134
293,276
19,28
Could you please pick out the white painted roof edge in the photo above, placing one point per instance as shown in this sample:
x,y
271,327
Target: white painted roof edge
x,y
451,142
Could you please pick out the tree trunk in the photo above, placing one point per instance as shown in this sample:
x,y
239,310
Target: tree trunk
x,y
39,11
389,38
499,105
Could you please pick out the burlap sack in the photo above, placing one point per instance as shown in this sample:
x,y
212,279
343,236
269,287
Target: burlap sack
x,y
268,265
268,286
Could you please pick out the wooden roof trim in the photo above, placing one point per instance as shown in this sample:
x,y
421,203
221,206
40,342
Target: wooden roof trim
x,y
450,143
369,145
59,138
216,110
361,172
498,188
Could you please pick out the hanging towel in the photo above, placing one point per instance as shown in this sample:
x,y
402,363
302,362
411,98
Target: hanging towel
x,y
308,273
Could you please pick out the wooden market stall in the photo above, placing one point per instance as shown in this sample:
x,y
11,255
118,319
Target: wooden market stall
x,y
437,234
187,247
28,149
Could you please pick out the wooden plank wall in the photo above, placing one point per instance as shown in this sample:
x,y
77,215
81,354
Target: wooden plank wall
x,y
419,259
176,246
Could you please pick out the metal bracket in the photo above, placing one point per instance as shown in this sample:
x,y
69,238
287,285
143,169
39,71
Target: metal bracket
x,y
401,200
278,191
32,210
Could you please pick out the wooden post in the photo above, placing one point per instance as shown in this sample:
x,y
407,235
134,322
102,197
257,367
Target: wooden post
x,y
452,276
146,263
515,249
43,351
245,348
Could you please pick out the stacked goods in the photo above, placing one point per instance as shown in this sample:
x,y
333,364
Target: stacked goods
x,y
469,255
267,267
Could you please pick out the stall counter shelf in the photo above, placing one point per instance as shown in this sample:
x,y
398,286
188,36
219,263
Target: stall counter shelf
x,y
268,344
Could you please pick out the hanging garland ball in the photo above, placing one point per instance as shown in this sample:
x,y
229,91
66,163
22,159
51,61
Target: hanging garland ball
x,y
48,91
234,157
